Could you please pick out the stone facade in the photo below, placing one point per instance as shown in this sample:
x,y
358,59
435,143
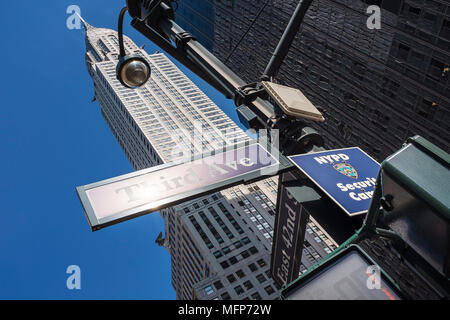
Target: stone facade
x,y
375,87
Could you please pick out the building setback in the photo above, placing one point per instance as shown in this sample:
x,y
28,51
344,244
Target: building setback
x,y
219,244
375,87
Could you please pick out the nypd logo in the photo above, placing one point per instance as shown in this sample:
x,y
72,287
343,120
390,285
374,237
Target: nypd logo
x,y
346,169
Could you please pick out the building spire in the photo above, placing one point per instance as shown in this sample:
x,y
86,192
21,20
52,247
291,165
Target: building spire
x,y
86,25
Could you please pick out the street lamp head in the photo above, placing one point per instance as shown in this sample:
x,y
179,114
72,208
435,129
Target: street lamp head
x,y
133,71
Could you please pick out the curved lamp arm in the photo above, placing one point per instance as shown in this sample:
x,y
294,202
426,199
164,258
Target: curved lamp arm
x,y
120,31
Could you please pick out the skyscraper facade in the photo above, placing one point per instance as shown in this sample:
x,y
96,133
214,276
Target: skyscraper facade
x,y
376,87
219,244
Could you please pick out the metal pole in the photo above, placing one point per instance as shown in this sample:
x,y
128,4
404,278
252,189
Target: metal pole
x,y
286,40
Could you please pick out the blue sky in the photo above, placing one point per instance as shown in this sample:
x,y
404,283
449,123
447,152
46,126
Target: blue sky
x,y
53,139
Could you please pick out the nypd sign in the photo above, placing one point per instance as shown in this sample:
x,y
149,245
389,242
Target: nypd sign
x,y
348,176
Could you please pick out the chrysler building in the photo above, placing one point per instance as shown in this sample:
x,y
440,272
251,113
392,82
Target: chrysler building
x,y
219,244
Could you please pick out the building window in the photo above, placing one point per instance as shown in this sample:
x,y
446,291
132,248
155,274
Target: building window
x,y
269,289
209,290
239,290
240,274
245,254
261,263
429,22
256,296
445,30
417,59
248,285
233,260
252,267
437,69
427,109
237,244
403,51
414,14
225,296
261,278
253,250
218,284
231,278
224,264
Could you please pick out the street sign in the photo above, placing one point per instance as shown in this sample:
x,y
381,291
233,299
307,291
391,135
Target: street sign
x,y
347,176
290,225
114,200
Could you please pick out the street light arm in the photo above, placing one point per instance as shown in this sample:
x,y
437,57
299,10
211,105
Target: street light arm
x,y
132,71
120,31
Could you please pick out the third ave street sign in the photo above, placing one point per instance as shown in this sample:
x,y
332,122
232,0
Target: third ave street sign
x,y
125,197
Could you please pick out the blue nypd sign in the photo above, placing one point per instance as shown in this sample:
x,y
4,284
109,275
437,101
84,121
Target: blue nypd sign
x,y
347,176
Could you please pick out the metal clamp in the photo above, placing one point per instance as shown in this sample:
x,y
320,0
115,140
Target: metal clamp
x,y
182,38
249,92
